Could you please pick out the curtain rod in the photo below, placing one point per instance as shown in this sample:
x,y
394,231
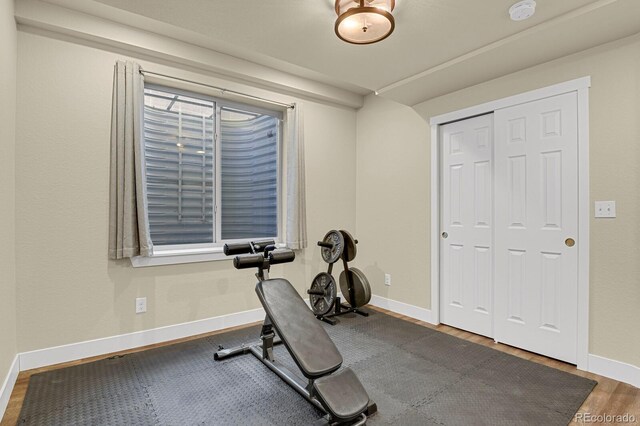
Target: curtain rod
x,y
221,89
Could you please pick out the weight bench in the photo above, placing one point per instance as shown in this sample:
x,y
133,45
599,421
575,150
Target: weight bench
x,y
340,395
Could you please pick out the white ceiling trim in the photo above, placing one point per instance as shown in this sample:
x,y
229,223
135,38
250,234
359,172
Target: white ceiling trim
x,y
40,16
596,24
522,98
101,10
559,20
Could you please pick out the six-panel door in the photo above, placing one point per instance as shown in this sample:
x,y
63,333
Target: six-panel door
x,y
536,261
509,222
466,250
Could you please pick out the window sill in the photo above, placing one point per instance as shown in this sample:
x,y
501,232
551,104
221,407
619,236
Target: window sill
x,y
176,257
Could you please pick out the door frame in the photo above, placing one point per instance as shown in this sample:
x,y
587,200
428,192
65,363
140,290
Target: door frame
x,y
581,87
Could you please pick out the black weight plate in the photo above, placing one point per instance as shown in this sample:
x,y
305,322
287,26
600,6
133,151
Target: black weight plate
x,y
362,278
323,304
361,288
331,255
350,249
365,286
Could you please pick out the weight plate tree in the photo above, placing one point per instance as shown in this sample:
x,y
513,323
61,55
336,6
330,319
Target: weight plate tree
x,y
322,294
350,249
361,287
336,239
356,292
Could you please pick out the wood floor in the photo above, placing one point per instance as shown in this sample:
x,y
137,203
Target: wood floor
x,y
609,397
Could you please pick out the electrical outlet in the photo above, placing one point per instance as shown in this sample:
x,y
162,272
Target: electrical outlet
x,y
605,209
141,305
387,279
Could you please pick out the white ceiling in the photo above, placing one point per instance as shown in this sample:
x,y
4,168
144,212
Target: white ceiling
x,y
435,44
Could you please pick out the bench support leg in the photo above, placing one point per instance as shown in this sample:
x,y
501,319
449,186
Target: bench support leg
x,y
267,335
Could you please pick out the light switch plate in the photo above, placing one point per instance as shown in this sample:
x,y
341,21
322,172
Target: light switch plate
x,y
605,209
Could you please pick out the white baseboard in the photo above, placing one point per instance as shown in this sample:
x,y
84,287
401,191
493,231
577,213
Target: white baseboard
x,y
8,384
616,370
412,311
75,351
50,356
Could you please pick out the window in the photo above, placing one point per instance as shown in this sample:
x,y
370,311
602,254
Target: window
x,y
212,170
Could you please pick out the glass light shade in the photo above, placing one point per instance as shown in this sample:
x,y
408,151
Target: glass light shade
x,y
364,21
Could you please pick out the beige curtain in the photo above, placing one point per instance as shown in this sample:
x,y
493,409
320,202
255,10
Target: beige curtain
x,y
128,224
296,226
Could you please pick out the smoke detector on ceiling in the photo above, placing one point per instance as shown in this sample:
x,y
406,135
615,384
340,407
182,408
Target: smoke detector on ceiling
x,y
522,10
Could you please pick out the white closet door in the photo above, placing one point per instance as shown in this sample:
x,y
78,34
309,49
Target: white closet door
x,y
536,212
466,240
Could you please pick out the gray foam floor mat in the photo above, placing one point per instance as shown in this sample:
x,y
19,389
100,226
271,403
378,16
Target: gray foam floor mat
x,y
417,376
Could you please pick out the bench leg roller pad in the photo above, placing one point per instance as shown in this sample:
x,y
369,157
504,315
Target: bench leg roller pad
x,y
342,395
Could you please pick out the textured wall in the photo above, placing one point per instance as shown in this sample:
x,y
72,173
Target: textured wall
x,y
392,209
7,186
393,167
68,290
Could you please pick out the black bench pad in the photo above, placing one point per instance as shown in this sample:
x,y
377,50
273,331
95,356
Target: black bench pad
x,y
306,340
342,395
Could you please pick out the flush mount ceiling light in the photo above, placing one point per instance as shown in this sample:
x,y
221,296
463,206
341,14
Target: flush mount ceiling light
x,y
522,10
364,21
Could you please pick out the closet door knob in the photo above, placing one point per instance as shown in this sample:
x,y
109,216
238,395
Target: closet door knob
x,y
570,242
445,235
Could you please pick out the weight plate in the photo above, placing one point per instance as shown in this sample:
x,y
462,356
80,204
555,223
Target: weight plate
x,y
331,255
361,287
367,288
365,285
350,249
322,304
